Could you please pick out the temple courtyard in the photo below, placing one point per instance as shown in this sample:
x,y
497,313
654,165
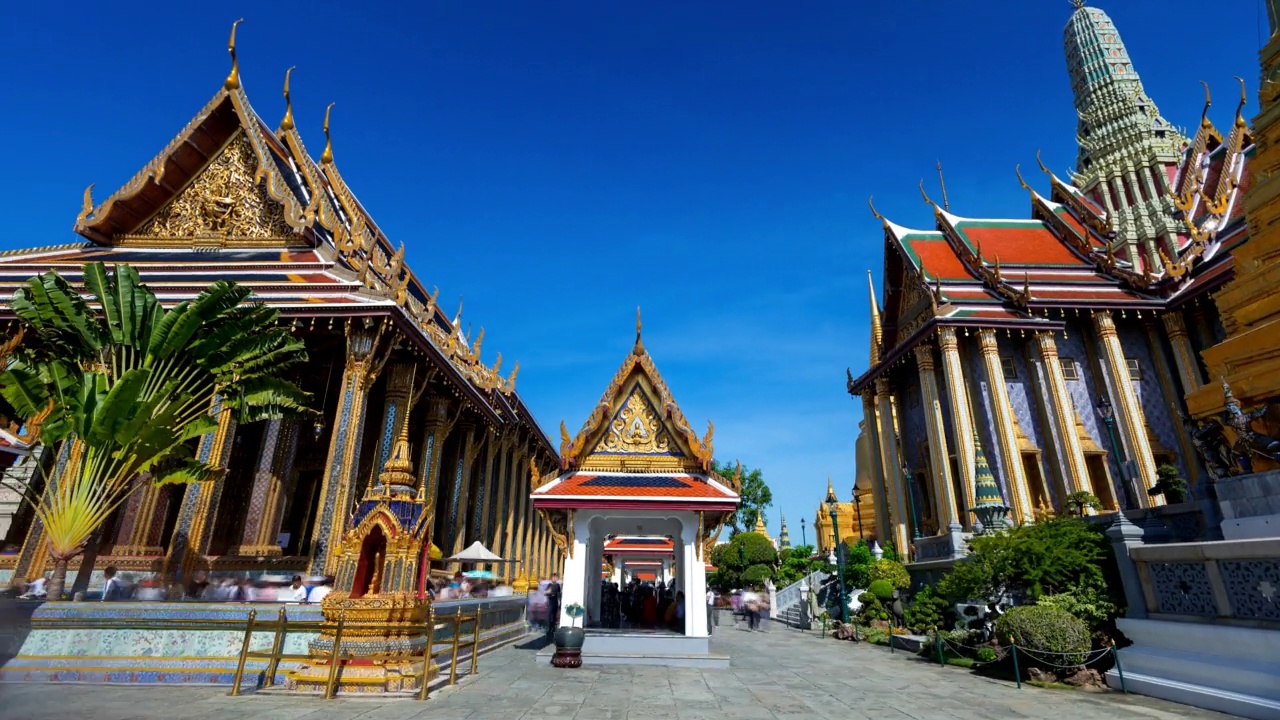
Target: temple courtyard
x,y
780,674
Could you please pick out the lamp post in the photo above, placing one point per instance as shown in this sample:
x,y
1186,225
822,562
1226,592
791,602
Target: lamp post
x,y
833,506
804,540
857,508
742,560
1108,415
911,501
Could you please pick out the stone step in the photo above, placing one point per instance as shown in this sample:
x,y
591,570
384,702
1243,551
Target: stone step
x,y
698,660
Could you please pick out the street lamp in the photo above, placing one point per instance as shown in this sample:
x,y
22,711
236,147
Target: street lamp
x,y
804,539
1108,415
911,501
857,508
833,506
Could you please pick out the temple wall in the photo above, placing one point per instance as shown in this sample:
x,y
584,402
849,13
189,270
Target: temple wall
x,y
984,417
1151,394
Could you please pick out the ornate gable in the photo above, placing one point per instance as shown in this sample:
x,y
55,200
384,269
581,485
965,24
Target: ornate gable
x,y
225,204
637,426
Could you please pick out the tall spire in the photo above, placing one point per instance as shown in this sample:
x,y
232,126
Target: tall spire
x,y
1127,151
876,333
784,538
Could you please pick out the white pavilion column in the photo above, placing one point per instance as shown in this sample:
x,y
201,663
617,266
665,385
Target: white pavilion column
x,y
595,558
617,572
573,583
695,578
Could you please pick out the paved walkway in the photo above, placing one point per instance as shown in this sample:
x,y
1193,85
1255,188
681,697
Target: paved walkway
x,y
777,675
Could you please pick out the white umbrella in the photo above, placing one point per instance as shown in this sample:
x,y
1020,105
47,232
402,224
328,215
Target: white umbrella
x,y
478,553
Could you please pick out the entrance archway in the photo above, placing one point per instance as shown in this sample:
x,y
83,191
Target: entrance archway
x,y
368,579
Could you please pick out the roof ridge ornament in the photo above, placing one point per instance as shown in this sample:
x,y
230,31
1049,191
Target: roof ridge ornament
x,y
1244,99
638,348
326,157
946,205
287,122
1079,4
87,208
233,79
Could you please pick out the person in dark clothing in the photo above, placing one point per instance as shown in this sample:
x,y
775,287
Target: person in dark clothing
x,y
553,604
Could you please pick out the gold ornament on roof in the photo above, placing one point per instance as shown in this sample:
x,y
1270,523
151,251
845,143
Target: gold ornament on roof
x,y
233,79
287,122
326,157
86,208
636,429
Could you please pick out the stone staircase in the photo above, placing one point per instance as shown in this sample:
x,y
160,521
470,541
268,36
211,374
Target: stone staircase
x,y
790,601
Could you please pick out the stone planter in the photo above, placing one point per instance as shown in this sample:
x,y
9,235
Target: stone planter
x,y
569,647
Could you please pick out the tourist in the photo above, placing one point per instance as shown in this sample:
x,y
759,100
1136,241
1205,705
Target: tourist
x,y
677,611
198,586
113,588
322,587
713,619
762,612
553,603
739,610
37,589
295,593
751,608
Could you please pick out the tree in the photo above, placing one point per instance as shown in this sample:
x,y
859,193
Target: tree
x,y
747,559
1170,484
796,563
127,386
754,495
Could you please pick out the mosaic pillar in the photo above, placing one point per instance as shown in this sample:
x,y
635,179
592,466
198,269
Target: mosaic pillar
x,y
436,430
961,420
486,484
35,548
270,480
200,501
891,466
879,496
943,490
1173,400
1070,452
1128,412
458,507
503,502
395,414
143,521
1184,356
1006,430
344,447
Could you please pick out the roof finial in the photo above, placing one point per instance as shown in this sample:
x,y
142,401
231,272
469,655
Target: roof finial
x,y
1208,101
287,122
638,349
877,333
1244,98
1017,170
87,208
326,157
1078,3
1040,162
457,319
945,204
925,195
233,80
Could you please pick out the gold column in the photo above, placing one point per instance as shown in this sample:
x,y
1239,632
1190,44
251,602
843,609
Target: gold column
x,y
1133,425
878,493
437,428
462,489
1061,407
943,491
282,483
961,420
194,528
346,436
504,534
892,468
1184,356
137,534
275,464
488,484
1173,400
519,538
1006,432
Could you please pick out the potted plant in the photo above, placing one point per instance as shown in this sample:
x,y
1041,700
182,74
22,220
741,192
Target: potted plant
x,y
569,640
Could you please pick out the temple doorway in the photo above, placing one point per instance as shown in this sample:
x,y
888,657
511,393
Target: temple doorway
x,y
368,577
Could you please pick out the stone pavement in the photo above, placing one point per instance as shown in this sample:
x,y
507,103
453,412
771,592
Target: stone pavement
x,y
776,675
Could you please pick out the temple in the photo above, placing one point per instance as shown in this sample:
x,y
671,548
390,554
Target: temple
x,y
401,386
636,471
1055,351
855,520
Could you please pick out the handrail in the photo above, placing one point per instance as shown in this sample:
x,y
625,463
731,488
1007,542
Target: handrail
x,y
790,595
334,656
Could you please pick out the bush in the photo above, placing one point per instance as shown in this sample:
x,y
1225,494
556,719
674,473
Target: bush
x,y
985,655
882,590
1048,629
892,572
925,611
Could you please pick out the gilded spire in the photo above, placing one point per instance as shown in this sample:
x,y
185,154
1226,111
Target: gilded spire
x,y
233,79
876,333
760,527
1078,3
638,348
326,157
287,122
831,491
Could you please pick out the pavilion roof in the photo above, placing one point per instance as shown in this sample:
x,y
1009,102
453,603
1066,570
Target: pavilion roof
x,y
639,546
694,489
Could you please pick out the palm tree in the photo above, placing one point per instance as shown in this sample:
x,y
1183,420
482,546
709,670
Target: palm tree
x,y
128,384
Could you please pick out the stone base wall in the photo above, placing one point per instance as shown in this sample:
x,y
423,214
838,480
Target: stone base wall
x,y
1250,505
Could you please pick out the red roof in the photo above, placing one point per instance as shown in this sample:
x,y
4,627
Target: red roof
x,y
654,546
1020,244
638,486
938,259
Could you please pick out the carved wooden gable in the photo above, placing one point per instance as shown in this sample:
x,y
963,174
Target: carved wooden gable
x,y
640,434
225,204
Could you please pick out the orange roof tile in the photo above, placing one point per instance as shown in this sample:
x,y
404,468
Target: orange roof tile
x,y
1020,244
938,259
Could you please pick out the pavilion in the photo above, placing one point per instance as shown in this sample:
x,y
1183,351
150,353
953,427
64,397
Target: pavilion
x,y
636,471
644,558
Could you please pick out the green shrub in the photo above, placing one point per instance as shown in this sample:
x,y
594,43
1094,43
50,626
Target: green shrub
x,y
882,589
1048,629
892,572
1087,601
872,608
985,655
925,611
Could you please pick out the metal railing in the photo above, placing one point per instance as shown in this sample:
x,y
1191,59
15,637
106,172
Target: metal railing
x,y
336,658
790,595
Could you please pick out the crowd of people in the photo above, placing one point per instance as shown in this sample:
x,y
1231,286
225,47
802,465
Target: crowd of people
x,y
200,586
750,606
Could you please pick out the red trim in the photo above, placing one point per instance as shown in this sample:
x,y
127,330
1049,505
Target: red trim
x,y
557,503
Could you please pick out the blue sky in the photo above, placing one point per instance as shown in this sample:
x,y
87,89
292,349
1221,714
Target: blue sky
x,y
559,163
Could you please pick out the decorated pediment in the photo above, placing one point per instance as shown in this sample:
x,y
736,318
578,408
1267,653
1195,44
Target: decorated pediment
x,y
224,204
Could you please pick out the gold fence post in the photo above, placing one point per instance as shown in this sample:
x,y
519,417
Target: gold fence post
x,y
244,654
276,646
457,634
428,653
335,656
475,643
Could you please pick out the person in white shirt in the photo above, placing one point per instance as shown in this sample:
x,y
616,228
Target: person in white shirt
x,y
36,589
112,589
295,593
320,590
712,618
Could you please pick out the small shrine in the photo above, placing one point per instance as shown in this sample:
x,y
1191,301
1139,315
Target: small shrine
x,y
636,475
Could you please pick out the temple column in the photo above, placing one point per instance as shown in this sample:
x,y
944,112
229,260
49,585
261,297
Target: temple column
x,y
573,585
892,468
1173,399
514,517
143,520
462,489
395,414
488,488
194,528
961,420
35,548
1061,410
1129,416
519,545
362,367
271,483
693,576
943,492
1006,432
878,494
1184,356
